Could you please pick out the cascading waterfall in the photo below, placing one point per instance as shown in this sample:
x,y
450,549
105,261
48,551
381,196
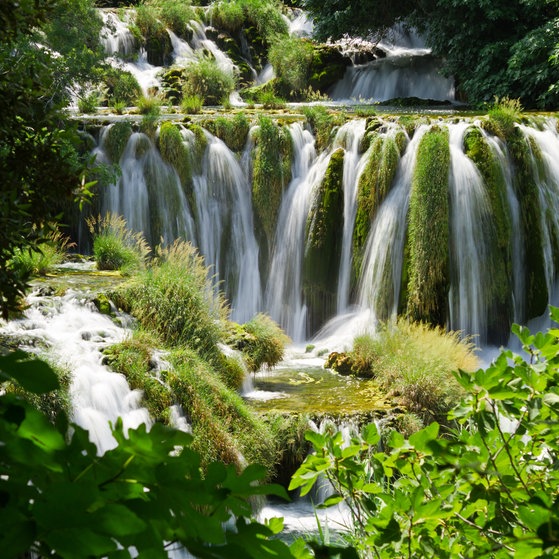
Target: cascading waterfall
x,y
384,252
284,299
469,220
149,194
226,229
352,135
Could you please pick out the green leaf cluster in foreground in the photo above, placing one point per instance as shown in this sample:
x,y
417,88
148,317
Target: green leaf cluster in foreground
x,y
488,487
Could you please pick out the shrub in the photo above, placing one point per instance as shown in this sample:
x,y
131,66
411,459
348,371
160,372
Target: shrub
x,y
270,101
291,58
487,488
505,113
89,102
40,260
206,80
177,15
232,130
192,104
261,341
115,247
174,297
149,105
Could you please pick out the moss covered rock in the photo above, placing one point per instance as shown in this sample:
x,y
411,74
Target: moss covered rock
x,y
328,67
115,139
323,247
232,130
428,231
174,151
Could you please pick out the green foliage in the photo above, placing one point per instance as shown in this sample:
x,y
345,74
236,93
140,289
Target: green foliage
x,y
174,151
261,341
115,247
428,230
323,246
322,122
115,138
174,298
233,130
505,113
291,58
122,87
207,81
156,39
487,488
40,166
176,15
43,258
149,105
60,497
192,104
270,100
271,173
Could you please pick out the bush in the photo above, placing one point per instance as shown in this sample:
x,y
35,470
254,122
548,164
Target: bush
x,y
291,58
505,113
174,298
261,341
115,247
192,104
38,261
207,81
148,105
486,488
177,15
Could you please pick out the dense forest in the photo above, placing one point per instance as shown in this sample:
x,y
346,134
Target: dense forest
x,y
469,469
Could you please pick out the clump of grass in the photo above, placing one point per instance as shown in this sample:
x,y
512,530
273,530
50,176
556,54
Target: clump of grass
x,y
192,104
322,122
270,101
505,112
207,81
42,259
115,247
175,298
232,130
261,341
413,362
149,105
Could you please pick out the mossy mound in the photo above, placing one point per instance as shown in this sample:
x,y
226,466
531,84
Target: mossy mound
x,y
155,37
115,139
328,67
428,231
323,247
173,151
232,130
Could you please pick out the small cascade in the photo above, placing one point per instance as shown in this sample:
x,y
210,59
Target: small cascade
x,y
149,194
381,274
284,300
116,37
470,216
201,42
299,23
183,53
226,230
75,334
352,135
405,69
545,168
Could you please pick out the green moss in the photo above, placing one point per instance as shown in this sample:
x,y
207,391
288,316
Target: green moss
x,y
500,301
523,152
322,122
233,130
429,230
200,145
156,39
323,247
271,173
374,184
115,140
174,152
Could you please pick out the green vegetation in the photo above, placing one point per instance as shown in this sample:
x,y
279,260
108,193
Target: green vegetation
x,y
174,151
233,130
122,87
261,341
291,58
61,497
43,258
115,247
412,363
149,105
154,33
486,487
322,122
429,230
115,138
207,81
505,113
271,173
192,104
323,247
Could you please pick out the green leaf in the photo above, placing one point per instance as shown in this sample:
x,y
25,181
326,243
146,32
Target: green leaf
x,y
33,375
117,520
331,501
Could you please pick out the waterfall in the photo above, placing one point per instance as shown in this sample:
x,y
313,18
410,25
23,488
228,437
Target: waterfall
x,y
201,43
75,333
384,252
149,194
469,220
352,135
116,37
546,174
284,299
225,228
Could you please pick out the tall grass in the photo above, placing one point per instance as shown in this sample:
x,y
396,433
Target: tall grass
x,y
207,81
413,362
175,298
42,259
115,247
505,112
